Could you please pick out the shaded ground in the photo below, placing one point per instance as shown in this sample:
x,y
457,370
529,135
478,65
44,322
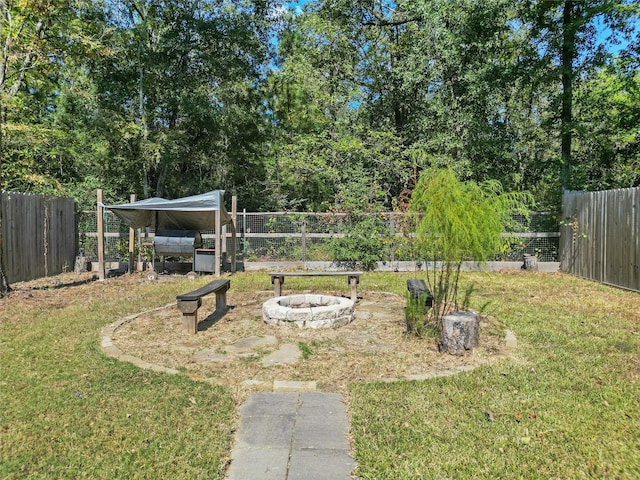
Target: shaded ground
x,y
373,347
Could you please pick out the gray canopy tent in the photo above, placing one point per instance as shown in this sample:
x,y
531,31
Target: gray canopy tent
x,y
188,214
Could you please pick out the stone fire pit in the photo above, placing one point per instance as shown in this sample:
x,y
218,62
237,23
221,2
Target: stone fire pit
x,y
308,311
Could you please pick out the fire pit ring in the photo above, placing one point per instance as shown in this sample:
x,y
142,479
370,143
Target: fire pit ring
x,y
308,311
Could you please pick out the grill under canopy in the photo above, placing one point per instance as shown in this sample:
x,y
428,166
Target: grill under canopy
x,y
176,242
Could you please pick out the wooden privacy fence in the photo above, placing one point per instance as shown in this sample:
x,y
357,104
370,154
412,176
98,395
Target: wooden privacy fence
x,y
600,237
38,235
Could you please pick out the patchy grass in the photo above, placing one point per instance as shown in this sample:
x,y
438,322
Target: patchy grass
x,y
565,405
70,412
373,347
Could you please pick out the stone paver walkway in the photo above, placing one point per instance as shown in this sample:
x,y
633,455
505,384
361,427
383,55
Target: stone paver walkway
x,y
292,436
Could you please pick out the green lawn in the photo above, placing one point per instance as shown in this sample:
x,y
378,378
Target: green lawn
x,y
565,405
68,411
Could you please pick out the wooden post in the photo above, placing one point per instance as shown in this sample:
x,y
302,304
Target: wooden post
x,y
277,284
100,220
223,244
218,241
234,217
244,234
189,309
132,239
392,235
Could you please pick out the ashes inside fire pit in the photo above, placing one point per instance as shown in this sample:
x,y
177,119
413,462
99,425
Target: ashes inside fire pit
x,y
308,311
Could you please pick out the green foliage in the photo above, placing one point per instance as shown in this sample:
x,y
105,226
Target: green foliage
x,y
175,98
363,243
417,316
462,220
364,228
607,149
305,349
459,221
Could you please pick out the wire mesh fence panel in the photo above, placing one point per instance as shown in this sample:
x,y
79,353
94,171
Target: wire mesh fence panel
x,y
284,236
538,235
316,237
116,237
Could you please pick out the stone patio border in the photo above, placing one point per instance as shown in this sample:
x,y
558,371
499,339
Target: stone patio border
x,y
111,350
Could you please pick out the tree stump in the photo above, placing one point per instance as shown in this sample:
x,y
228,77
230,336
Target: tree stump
x,y
460,332
530,262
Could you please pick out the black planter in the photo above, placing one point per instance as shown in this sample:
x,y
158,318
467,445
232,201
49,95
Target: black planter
x,y
418,289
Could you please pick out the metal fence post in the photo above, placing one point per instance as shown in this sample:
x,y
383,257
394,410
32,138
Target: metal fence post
x,y
304,239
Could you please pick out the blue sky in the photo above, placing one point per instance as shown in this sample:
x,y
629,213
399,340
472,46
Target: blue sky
x,y
603,31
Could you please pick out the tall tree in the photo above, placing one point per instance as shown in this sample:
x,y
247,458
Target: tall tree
x,y
568,35
317,95
607,139
185,88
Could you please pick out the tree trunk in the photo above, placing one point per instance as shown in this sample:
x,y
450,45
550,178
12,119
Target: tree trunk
x,y
566,116
4,283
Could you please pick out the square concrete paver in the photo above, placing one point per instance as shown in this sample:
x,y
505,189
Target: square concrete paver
x,y
292,436
259,463
320,465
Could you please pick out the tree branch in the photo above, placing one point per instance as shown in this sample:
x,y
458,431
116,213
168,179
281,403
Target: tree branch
x,y
379,22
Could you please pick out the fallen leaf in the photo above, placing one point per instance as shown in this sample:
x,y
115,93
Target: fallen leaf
x,y
532,416
489,415
518,417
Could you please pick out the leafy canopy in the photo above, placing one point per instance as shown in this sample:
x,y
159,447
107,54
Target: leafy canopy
x,y
463,220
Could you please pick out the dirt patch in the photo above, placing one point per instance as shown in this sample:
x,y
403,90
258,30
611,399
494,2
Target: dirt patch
x,y
372,347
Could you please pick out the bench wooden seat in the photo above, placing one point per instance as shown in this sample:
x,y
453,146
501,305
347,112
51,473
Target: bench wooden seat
x,y
189,303
277,279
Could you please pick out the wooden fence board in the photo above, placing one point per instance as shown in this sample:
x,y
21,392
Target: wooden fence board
x,y
600,236
39,235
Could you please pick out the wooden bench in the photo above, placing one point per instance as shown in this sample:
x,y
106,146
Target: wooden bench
x,y
277,279
189,303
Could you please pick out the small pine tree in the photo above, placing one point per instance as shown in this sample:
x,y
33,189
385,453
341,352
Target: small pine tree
x,y
457,221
